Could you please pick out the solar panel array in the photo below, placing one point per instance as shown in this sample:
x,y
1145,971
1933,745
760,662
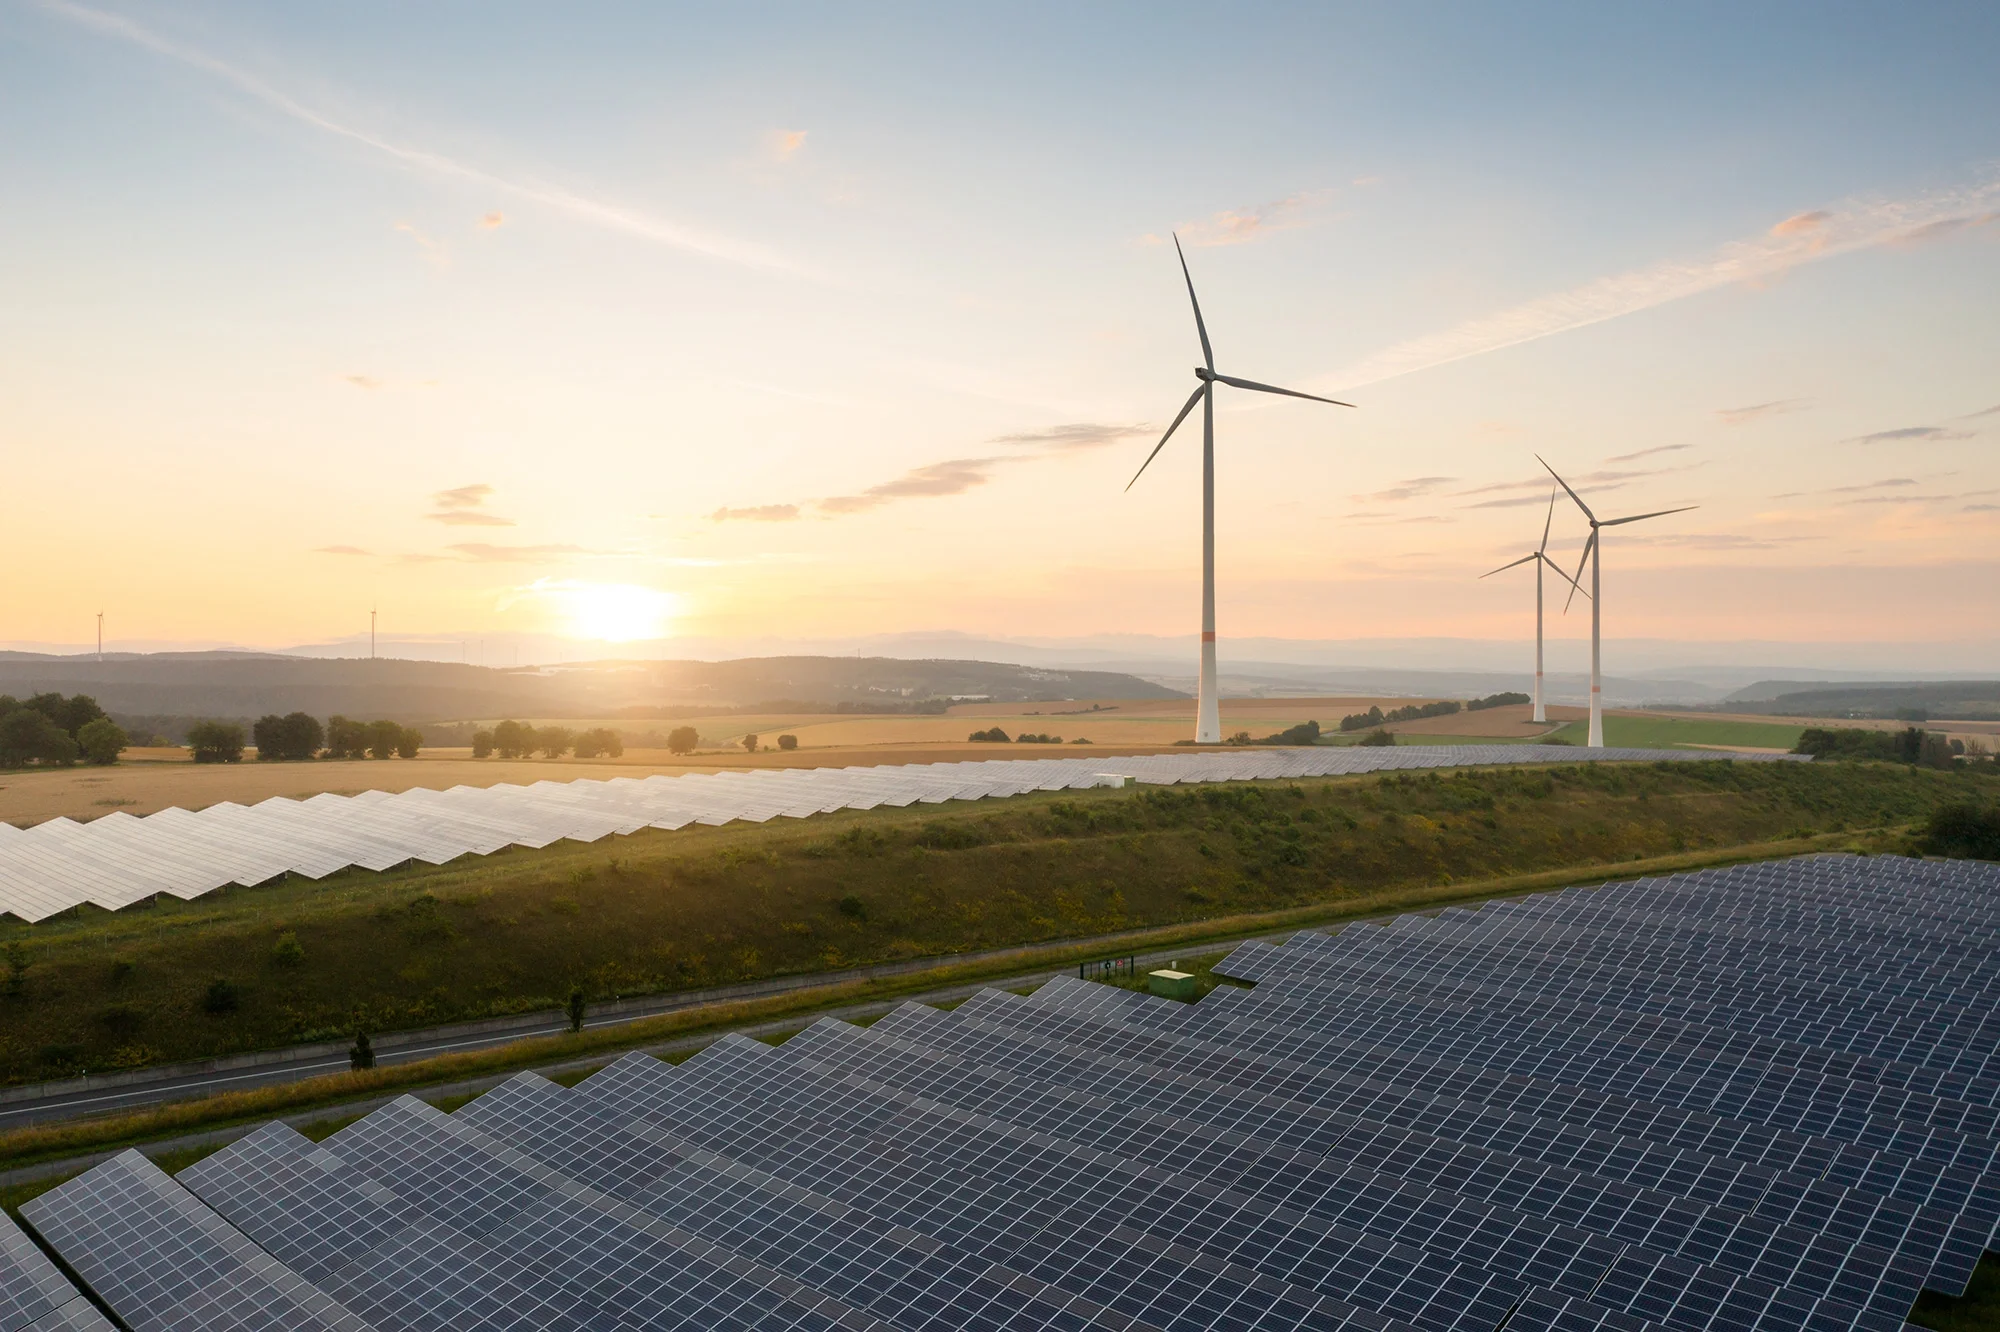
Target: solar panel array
x,y
1756,1099
118,860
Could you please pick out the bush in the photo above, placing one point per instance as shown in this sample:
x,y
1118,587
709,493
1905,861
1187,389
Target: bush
x,y
995,736
1305,733
222,997
1376,737
682,740
853,907
361,1056
1037,738
216,742
788,742
1963,831
575,1009
482,744
101,740
288,951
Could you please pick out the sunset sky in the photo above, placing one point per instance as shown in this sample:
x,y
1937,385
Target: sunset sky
x,y
819,321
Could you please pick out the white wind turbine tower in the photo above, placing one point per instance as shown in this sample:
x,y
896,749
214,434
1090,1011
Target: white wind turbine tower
x,y
1208,715
1540,556
1593,555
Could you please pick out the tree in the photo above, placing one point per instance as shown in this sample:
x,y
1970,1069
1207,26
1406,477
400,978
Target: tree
x,y
296,735
553,741
384,739
101,740
482,744
77,712
750,743
682,740
361,1057
788,742
345,738
409,742
1964,831
513,740
994,736
1378,736
28,736
216,742
599,742
575,1009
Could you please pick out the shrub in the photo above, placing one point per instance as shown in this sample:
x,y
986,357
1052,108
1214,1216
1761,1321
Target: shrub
x,y
361,1056
17,969
993,736
1305,733
1963,831
101,740
222,996
1037,738
1377,737
853,907
682,740
788,742
288,951
216,742
482,744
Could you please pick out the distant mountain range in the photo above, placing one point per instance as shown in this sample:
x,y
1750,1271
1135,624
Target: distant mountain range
x,y
157,688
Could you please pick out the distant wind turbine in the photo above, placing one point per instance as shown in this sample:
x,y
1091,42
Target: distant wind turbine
x,y
1539,556
1208,714
1593,555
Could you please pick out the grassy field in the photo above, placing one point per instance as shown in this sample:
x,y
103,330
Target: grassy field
x,y
701,907
1652,731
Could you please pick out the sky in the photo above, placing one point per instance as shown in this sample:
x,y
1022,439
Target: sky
x,y
642,322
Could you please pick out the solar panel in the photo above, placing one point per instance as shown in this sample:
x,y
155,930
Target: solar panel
x,y
33,1294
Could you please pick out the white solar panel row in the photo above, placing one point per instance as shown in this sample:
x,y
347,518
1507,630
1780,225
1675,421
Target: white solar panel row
x,y
118,860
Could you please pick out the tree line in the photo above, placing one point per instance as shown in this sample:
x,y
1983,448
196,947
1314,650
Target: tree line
x,y
1925,749
298,737
518,740
56,731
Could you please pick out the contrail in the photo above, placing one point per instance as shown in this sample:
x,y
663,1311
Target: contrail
x,y
1856,224
609,216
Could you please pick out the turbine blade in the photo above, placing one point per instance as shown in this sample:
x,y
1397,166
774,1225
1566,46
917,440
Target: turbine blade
x,y
1642,517
1560,574
1503,568
1572,494
1206,353
1169,435
1588,546
1272,388
1549,521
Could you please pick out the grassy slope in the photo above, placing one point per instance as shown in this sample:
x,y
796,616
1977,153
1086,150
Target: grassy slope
x,y
1673,732
665,911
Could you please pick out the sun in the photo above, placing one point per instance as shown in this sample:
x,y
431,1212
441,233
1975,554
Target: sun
x,y
616,612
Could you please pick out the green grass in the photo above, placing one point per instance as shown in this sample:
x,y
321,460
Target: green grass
x,y
1978,1310
1201,968
672,911
1681,733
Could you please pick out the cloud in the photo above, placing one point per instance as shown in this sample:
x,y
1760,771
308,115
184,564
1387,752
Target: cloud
x,y
1873,485
364,381
759,513
1647,453
951,477
464,506
434,250
480,552
1240,226
339,550
1800,223
1981,508
1741,415
1538,488
1411,489
1704,540
1973,416
1944,227
462,497
492,220
611,217
784,145
1926,433
1080,435
1855,224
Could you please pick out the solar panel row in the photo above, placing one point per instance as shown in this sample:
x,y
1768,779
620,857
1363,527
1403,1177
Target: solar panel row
x,y
1394,1131
120,859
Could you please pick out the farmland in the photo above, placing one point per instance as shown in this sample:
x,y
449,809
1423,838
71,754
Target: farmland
x,y
669,911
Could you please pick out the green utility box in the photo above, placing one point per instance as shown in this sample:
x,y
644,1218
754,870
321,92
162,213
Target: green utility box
x,y
1170,984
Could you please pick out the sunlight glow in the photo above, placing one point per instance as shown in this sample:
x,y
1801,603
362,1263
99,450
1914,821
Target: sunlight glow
x,y
610,612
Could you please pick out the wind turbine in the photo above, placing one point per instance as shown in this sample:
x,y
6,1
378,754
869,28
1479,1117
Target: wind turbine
x,y
1540,556
1208,716
1594,555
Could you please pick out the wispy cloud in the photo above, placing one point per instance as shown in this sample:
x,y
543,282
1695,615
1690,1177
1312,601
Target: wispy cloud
x,y
1080,435
597,212
1873,485
1856,224
1413,488
1927,434
1648,453
363,381
339,550
1240,226
1744,415
434,251
480,552
951,477
1538,487
759,513
464,506
784,145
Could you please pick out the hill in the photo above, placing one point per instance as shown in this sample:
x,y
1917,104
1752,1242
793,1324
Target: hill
x,y
248,685
1955,700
